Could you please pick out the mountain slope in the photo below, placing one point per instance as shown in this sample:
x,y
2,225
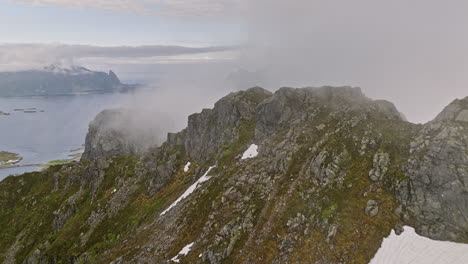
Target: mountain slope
x,y
334,174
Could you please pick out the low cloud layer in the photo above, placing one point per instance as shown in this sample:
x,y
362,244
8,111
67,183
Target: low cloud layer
x,y
29,56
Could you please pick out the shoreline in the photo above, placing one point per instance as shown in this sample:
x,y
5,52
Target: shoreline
x,y
42,165
21,165
9,164
129,89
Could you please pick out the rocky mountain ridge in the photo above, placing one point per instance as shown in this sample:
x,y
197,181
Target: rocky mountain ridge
x,y
335,172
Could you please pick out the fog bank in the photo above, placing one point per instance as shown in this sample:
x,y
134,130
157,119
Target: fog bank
x,y
410,52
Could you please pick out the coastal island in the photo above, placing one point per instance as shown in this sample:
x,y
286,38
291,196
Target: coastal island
x,y
8,159
56,80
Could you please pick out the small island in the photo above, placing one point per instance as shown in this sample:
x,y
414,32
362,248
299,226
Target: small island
x,y
11,160
8,158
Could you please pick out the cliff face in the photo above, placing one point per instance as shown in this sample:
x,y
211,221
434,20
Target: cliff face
x,y
330,173
437,192
108,138
213,129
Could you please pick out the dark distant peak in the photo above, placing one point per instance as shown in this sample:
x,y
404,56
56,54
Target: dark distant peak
x,y
113,78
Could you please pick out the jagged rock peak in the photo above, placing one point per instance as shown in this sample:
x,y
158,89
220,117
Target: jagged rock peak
x,y
455,111
113,78
209,130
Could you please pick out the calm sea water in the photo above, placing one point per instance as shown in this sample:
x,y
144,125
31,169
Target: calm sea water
x,y
50,135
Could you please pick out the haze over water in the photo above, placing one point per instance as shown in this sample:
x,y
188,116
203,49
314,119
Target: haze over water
x,y
50,135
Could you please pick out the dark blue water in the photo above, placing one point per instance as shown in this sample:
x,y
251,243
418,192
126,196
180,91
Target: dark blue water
x,y
50,135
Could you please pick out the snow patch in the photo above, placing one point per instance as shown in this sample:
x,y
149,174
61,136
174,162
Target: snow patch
x,y
187,166
251,152
190,190
409,247
184,252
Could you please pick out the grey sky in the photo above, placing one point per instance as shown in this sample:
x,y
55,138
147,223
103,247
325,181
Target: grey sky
x,y
410,52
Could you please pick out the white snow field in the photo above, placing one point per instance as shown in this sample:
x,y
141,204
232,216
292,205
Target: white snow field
x,y
251,152
411,248
187,166
184,252
190,190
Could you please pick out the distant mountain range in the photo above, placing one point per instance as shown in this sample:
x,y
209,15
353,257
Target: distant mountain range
x,y
56,80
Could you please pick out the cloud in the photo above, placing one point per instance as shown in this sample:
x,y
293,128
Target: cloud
x,y
29,56
410,52
186,8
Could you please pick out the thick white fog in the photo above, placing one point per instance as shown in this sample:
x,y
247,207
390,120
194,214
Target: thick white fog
x,y
410,52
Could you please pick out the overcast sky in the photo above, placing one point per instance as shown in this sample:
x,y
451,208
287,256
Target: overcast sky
x,y
120,22
410,52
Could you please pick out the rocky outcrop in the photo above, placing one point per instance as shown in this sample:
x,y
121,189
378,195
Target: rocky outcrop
x,y
108,136
455,111
207,132
436,191
372,208
290,103
118,132
381,162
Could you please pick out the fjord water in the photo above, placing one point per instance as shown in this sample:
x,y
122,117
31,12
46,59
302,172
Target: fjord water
x,y
50,135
